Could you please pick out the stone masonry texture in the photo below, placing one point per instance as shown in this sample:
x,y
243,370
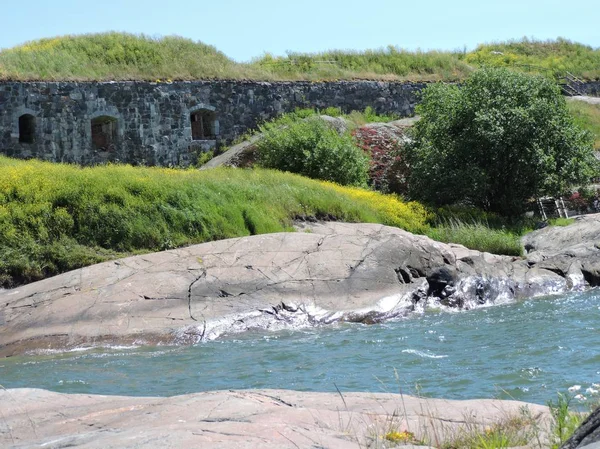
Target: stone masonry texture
x,y
152,121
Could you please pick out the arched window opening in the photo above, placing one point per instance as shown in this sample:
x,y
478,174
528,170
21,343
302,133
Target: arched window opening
x,y
26,128
204,125
104,133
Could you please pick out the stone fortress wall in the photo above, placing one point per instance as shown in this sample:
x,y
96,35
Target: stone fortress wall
x,y
169,123
165,123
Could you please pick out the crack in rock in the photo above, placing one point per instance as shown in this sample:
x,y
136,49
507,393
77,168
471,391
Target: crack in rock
x,y
201,276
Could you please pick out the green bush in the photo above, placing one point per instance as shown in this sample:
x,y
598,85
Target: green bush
x,y
310,147
495,142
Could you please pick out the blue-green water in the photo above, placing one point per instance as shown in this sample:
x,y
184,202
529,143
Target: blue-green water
x,y
528,351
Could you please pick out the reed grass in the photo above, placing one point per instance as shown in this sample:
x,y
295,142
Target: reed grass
x,y
478,236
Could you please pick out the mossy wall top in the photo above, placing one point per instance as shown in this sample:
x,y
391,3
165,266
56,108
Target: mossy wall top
x,y
165,123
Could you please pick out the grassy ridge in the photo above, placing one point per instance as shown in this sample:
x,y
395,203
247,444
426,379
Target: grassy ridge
x,y
56,217
118,56
391,63
554,57
121,56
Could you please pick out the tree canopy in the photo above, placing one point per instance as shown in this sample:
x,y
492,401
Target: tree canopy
x,y
496,141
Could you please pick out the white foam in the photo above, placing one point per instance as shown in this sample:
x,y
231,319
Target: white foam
x,y
427,354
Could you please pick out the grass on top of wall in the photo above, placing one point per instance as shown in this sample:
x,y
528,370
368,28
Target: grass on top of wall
x,y
391,63
122,56
119,56
551,57
55,217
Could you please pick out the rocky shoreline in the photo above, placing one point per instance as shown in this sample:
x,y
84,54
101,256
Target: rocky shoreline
x,y
324,273
330,272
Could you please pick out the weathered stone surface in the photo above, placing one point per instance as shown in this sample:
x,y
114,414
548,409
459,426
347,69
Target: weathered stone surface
x,y
336,272
240,155
340,124
153,124
153,120
570,251
587,435
241,419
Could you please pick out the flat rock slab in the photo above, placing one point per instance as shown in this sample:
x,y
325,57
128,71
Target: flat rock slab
x,y
332,272
241,419
193,293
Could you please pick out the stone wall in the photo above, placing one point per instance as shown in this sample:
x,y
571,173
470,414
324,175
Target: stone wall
x,y
169,123
165,123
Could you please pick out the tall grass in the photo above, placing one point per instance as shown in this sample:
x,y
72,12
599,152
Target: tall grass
x,y
56,217
552,57
587,116
564,420
478,236
118,56
121,56
391,62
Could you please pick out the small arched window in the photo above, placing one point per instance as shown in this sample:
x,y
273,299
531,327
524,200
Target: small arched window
x,y
104,133
204,125
27,128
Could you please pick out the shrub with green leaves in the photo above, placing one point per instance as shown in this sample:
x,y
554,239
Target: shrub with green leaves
x,y
495,142
310,147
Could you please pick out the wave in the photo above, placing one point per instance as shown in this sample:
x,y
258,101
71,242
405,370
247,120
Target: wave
x,y
425,354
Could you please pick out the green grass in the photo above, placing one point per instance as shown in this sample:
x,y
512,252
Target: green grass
x,y
587,116
478,236
121,56
356,118
513,431
564,420
56,217
390,63
561,221
552,57
480,230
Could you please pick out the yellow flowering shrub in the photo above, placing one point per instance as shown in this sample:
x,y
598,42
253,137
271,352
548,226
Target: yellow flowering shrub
x,y
411,216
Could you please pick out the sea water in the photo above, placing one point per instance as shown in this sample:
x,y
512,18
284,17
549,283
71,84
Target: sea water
x,y
528,350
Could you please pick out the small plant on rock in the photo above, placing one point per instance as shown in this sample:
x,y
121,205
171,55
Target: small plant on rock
x,y
564,421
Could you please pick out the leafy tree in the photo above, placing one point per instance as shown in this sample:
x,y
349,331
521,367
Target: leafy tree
x,y
310,147
495,142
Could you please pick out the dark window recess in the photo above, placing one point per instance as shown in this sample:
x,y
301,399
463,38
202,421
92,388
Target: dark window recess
x,y
203,125
27,128
104,133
